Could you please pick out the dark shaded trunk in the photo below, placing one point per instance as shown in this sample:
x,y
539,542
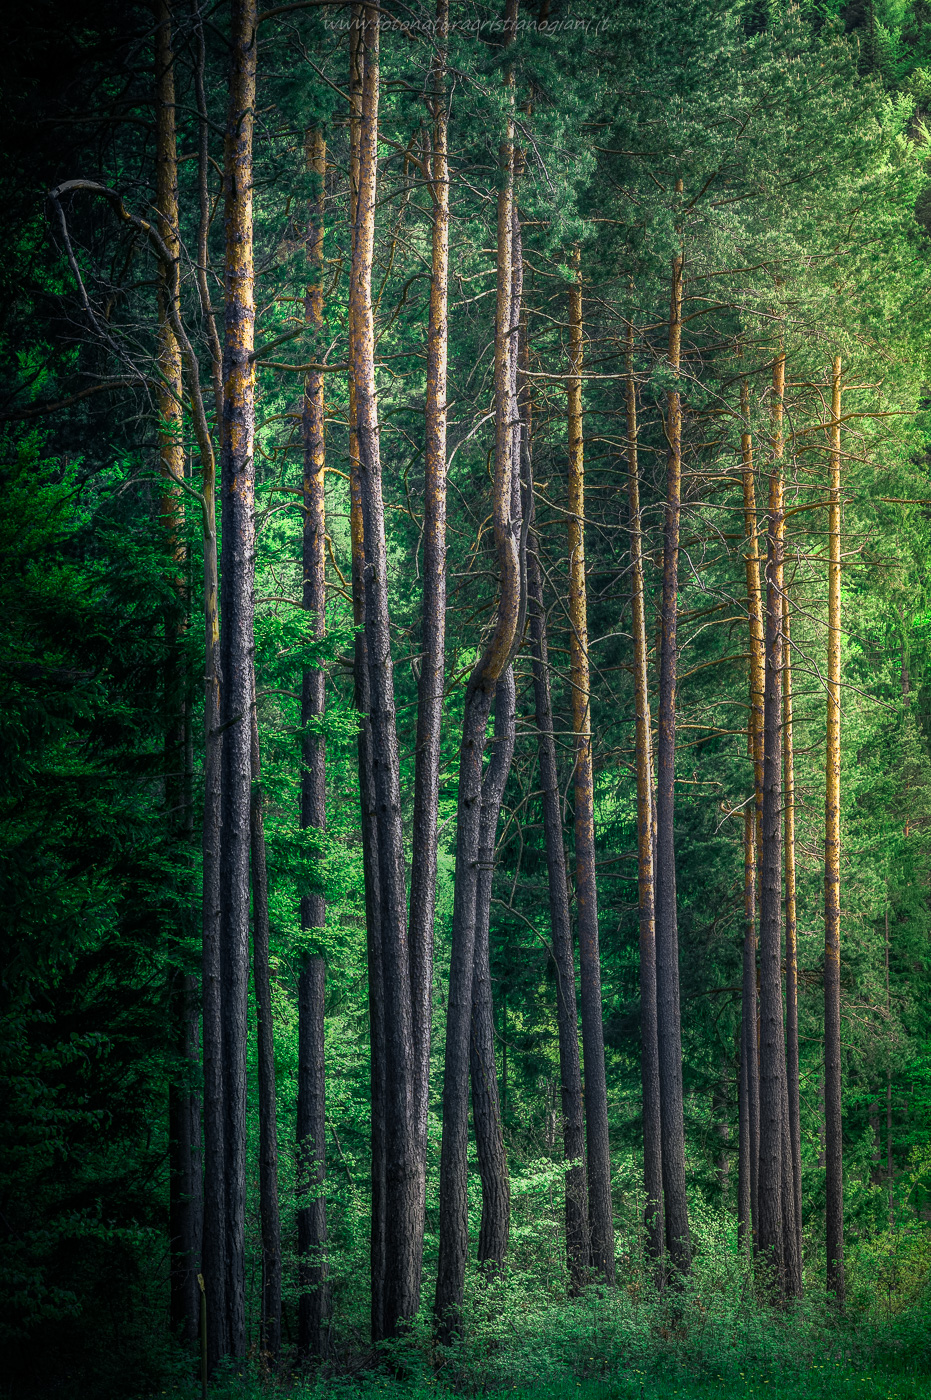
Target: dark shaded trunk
x,y
185,1201
495,658
424,831
486,1109
236,645
270,1323
749,1105
649,1043
404,1216
669,1029
794,1179
573,1118
772,1042
600,1214
313,1304
833,1125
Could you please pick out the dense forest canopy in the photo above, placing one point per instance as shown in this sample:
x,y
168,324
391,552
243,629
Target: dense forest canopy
x,y
466,724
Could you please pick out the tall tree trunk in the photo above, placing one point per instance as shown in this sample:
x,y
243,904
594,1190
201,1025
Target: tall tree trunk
x,y
573,1117
749,1105
313,1306
486,1108
649,1042
772,1044
792,1080
404,1220
669,1029
753,831
433,643
236,642
600,1214
367,798
185,1200
494,660
270,1327
833,1129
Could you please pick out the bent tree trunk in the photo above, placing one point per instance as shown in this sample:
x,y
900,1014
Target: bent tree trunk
x,y
834,1179
311,1089
649,1043
669,1029
496,657
486,1107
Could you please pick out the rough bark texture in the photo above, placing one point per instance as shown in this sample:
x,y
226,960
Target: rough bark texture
x,y
834,1179
649,1044
185,1199
573,1117
486,1108
270,1322
430,691
794,1278
600,1215
748,1103
496,656
753,827
236,642
667,941
367,799
404,1217
772,1044
313,1305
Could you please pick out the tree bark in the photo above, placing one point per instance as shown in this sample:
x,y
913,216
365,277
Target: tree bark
x,y
649,1042
236,641
573,1117
669,1028
600,1214
833,1128
753,831
270,1323
495,658
313,1305
432,663
794,1276
749,1104
486,1108
772,1044
404,1219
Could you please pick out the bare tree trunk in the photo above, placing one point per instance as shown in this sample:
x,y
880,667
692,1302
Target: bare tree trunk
x,y
600,1214
749,1106
772,1044
486,1108
669,1029
185,1199
270,1326
313,1305
404,1218
753,831
649,1042
236,641
577,1254
794,1179
432,663
495,658
833,1125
